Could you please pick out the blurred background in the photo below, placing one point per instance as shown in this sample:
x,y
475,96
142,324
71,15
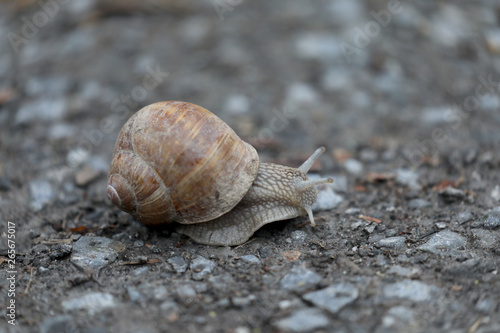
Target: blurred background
x,y
406,83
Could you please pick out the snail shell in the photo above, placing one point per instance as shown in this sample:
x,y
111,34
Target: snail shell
x,y
176,161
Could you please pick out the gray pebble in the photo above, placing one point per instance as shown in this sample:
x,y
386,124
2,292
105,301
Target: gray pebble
x,y
134,295
92,303
370,229
353,166
327,199
243,301
318,46
42,109
487,239
418,204
63,323
444,242
186,293
396,242
403,271
168,307
5,184
138,243
334,297
299,236
464,216
250,258
42,193
95,252
398,316
412,290
303,320
450,194
352,211
178,264
485,305
201,267
140,271
299,280
39,249
59,251
492,219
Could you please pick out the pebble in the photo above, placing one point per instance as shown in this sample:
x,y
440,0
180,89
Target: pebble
x,y
42,109
398,316
408,178
243,301
63,323
250,259
301,93
450,194
435,115
39,249
352,211
5,185
201,267
441,225
303,320
492,219
403,271
59,251
168,307
299,236
464,216
487,239
353,166
95,252
418,203
237,104
299,280
339,183
140,271
412,290
138,243
42,193
334,297
485,305
495,193
396,242
93,303
86,175
327,199
178,264
186,293
444,242
318,46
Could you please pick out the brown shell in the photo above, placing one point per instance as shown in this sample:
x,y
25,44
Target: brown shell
x,y
176,161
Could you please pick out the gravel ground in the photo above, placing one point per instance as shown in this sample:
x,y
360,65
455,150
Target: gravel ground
x,y
404,96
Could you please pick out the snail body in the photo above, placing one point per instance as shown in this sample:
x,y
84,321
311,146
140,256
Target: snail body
x,y
178,162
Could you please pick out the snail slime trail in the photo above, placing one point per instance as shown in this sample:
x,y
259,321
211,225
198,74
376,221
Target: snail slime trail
x,y
178,162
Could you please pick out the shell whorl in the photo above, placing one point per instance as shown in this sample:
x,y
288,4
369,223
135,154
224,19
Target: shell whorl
x,y
176,161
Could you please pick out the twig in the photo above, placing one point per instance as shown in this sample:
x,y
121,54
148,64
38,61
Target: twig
x,y
27,289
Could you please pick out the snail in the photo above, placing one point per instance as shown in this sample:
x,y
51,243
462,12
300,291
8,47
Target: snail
x,y
178,162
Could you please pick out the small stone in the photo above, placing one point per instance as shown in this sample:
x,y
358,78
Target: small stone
x,y
140,271
42,109
403,271
92,303
441,225
495,193
396,242
95,252
169,307
186,293
334,297
397,316
327,199
178,264
303,320
487,239
444,242
243,301
353,166
318,46
492,219
370,229
418,204
39,249
408,178
59,251
86,175
201,268
412,290
63,323
5,185
42,193
301,93
299,280
138,243
464,216
451,194
299,236
134,295
485,305
352,211
250,259
237,104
